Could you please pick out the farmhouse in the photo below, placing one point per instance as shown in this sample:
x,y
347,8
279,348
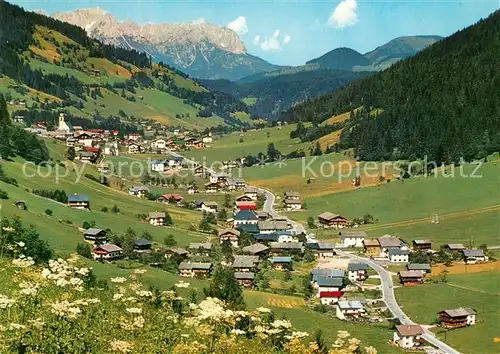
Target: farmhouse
x,y
195,269
200,249
230,235
209,207
21,204
262,215
330,297
292,204
240,183
78,201
357,271
212,187
95,235
388,242
159,166
170,198
244,279
108,251
268,227
251,192
371,247
245,217
461,317
331,220
422,245
424,267
220,178
175,162
85,156
192,189
159,145
323,249
176,251
326,284
244,198
327,273
474,256
134,148
256,249
245,263
411,277
139,191
200,171
352,238
397,255
292,195
408,336
286,247
455,246
349,309
142,245
246,205
281,263
157,218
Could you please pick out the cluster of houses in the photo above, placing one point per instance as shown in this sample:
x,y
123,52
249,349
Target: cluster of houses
x,y
161,145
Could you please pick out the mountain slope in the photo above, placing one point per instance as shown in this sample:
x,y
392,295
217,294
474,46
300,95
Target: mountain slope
x,y
443,103
199,49
340,59
399,48
55,66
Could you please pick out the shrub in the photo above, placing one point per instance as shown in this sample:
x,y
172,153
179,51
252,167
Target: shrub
x,y
3,194
48,212
104,209
83,249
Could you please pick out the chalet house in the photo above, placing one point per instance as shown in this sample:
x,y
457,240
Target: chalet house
x,y
271,226
281,263
330,220
209,207
198,144
455,247
78,201
292,195
192,189
195,269
357,271
142,245
292,204
170,198
411,277
85,139
245,217
134,148
244,198
159,145
207,139
246,205
349,309
371,247
244,279
245,263
111,149
388,242
456,318
424,267
200,249
190,142
159,166
220,178
330,297
352,238
157,218
398,256
326,273
71,141
133,136
200,171
408,336
212,187
240,183
95,235
262,215
139,191
103,167
230,184
474,256
175,162
108,251
256,249
85,156
265,238
230,235
176,251
326,284
323,249
251,192
286,247
422,245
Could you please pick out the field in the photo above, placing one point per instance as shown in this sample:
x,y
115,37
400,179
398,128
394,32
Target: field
x,y
480,291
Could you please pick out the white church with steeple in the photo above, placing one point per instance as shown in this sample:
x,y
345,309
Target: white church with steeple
x,y
63,126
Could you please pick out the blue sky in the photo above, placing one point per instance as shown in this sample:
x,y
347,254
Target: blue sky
x,y
292,32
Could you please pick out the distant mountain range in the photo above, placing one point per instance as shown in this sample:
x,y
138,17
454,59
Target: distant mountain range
x,y
199,49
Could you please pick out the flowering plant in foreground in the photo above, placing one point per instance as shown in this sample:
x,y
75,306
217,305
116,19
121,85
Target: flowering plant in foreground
x,y
59,310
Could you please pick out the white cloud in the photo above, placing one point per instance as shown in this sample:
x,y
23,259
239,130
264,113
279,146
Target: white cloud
x,y
199,21
273,43
344,15
239,25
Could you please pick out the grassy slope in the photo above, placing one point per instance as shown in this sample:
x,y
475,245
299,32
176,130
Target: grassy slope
x,y
483,295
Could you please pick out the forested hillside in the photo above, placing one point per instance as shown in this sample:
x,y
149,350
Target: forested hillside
x,y
50,66
443,103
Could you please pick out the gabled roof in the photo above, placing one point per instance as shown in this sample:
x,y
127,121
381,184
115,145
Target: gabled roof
x,y
245,215
418,266
251,190
326,273
244,275
139,189
156,214
245,261
473,253
460,312
329,216
292,201
456,246
197,245
177,250
273,225
330,294
411,274
255,248
389,241
266,237
350,305
292,194
421,242
250,228
211,204
281,259
352,234
357,266
323,281
398,252
142,242
229,230
109,247
93,232
195,265
286,245
371,242
409,330
78,198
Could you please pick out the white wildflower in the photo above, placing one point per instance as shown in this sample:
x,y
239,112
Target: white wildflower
x,y
144,293
140,271
238,331
182,284
343,334
117,297
281,323
134,310
118,280
263,309
21,244
121,346
5,302
29,288
23,261
14,326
